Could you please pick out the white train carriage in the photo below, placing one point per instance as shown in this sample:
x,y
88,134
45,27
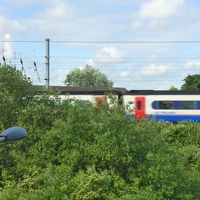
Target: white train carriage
x,y
171,106
89,95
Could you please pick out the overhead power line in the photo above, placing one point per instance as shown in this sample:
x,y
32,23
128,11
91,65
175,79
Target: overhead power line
x,y
128,58
22,41
104,42
128,42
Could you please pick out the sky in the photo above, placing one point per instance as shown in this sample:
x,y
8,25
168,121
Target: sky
x,y
131,41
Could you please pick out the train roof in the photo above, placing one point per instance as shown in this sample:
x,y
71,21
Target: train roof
x,y
64,90
161,92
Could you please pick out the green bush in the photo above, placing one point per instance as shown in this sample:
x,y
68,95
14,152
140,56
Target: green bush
x,y
80,152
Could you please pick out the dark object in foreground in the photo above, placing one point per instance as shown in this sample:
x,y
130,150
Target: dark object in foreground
x,y
13,134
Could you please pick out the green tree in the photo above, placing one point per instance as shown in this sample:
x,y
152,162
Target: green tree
x,y
16,91
191,83
173,88
87,77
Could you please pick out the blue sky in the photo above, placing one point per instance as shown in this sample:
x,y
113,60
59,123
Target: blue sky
x,y
134,66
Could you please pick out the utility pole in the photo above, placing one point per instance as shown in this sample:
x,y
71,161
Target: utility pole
x,y
47,57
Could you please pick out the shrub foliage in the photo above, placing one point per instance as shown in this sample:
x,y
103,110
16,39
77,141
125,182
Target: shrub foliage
x,y
79,152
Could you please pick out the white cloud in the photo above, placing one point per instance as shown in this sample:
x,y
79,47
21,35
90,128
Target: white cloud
x,y
137,24
19,2
124,73
107,56
190,67
56,18
70,20
90,62
2,23
10,25
153,24
193,64
156,70
58,76
57,11
159,9
7,47
154,13
17,26
109,53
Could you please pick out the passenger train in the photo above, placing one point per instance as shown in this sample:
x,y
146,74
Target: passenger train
x,y
172,106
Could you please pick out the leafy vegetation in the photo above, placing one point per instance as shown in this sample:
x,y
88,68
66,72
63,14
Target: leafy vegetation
x,y
191,83
16,91
88,153
79,152
173,88
88,77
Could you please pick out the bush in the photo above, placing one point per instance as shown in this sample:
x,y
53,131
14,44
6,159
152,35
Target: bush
x,y
81,152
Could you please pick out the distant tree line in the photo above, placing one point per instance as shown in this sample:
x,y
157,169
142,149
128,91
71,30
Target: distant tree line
x,y
191,83
89,76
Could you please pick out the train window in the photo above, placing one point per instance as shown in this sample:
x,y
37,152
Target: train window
x,y
188,105
85,102
165,105
162,105
139,105
176,105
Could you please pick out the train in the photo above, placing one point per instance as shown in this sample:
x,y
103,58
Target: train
x,y
171,106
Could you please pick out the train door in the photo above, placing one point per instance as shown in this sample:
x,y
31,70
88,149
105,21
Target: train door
x,y
101,100
140,108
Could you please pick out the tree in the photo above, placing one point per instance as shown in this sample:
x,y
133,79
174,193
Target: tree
x,y
88,77
191,83
15,91
173,88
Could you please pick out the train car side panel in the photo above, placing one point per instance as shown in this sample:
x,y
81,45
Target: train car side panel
x,y
174,108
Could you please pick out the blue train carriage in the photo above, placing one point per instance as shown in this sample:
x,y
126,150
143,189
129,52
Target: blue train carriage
x,y
173,106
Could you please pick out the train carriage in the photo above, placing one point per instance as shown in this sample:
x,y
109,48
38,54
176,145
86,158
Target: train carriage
x,y
89,95
171,106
